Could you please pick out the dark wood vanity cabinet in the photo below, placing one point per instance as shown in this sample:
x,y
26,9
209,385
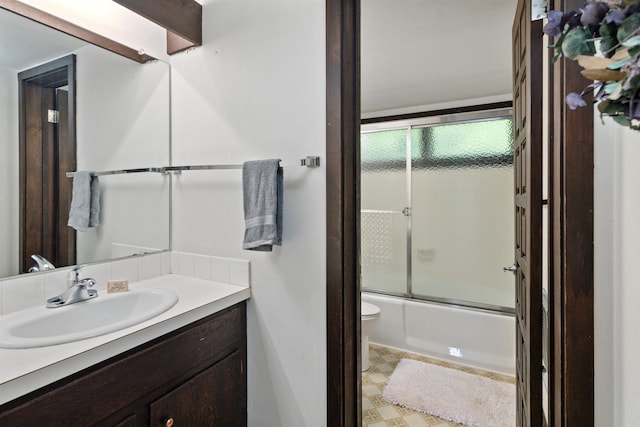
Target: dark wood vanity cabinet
x,y
197,403
195,376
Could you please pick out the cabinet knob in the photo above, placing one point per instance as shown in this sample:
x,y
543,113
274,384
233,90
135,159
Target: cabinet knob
x,y
169,422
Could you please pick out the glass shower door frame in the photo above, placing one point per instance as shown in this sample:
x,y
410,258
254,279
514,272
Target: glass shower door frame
x,y
409,125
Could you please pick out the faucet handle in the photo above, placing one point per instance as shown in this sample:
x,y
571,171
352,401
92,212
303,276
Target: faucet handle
x,y
78,267
74,274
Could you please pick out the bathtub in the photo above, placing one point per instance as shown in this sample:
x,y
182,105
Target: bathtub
x,y
461,335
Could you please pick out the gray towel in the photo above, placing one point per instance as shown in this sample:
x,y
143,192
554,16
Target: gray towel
x,y
85,201
262,184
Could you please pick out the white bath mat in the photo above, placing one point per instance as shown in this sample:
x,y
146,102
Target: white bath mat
x,y
452,395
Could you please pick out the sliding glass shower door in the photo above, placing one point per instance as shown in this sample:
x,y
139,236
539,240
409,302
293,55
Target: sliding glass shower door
x,y
383,219
437,209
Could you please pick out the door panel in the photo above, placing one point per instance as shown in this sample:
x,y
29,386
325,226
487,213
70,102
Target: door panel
x,y
572,247
32,238
527,89
382,222
461,201
212,398
66,249
47,151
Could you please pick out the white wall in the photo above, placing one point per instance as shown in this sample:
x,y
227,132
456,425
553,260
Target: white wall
x,y
8,172
617,287
256,89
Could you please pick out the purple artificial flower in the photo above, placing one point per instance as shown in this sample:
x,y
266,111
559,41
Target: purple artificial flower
x,y
572,19
593,13
630,10
574,100
553,27
616,16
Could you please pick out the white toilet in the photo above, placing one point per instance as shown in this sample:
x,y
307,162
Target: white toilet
x,y
370,315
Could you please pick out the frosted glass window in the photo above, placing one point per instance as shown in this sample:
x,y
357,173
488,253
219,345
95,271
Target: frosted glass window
x,y
469,144
384,151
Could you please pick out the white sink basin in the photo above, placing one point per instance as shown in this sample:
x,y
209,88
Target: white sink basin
x,y
40,326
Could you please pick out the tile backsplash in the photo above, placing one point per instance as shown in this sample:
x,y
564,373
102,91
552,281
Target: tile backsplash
x,y
219,269
30,290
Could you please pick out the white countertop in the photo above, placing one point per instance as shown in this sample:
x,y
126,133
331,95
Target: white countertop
x,y
25,370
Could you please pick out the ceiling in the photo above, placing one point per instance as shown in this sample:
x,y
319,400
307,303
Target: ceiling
x,y
423,52
24,43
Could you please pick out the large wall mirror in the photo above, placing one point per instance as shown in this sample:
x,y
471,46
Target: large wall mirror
x,y
122,121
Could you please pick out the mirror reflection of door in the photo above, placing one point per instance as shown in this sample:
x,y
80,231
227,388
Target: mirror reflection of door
x,y
47,151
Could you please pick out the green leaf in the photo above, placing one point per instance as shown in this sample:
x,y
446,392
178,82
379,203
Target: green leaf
x,y
558,46
602,106
609,41
619,64
630,30
632,41
578,42
558,53
613,108
609,88
634,51
617,92
621,119
633,83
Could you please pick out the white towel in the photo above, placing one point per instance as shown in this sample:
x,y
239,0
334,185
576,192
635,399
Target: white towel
x,y
262,183
85,201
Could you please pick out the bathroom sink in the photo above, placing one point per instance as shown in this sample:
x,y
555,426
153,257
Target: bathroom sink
x,y
109,312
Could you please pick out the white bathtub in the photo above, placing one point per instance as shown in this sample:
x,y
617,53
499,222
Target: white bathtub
x,y
471,337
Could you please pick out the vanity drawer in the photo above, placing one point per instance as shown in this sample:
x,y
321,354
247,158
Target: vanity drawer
x,y
134,379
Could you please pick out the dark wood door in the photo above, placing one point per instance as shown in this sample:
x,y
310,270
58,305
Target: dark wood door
x,y
527,106
66,155
37,161
47,151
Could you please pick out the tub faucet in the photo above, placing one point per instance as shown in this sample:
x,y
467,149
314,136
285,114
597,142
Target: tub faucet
x,y
77,290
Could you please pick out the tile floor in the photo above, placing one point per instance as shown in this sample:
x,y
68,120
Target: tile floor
x,y
378,413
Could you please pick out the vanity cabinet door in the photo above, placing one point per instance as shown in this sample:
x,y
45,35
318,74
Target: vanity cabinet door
x,y
215,397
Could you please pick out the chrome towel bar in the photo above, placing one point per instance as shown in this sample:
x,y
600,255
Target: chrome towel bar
x,y
309,161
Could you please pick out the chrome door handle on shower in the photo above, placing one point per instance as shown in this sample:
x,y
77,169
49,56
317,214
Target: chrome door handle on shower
x,y
511,268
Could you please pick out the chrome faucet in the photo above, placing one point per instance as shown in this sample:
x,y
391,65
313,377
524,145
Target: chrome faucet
x,y
43,264
77,290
